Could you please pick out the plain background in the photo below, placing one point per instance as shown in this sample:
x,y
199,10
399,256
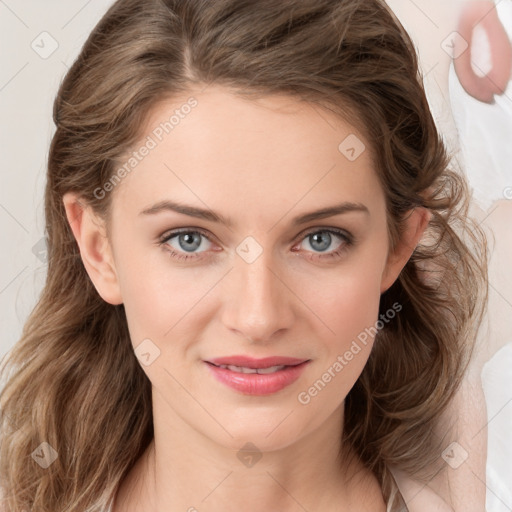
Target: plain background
x,y
28,85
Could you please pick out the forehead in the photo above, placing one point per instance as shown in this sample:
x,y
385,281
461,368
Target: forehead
x,y
277,122
214,146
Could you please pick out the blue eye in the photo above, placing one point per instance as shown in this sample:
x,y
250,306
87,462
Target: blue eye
x,y
184,244
187,241
321,239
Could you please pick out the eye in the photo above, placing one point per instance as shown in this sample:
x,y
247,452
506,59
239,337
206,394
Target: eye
x,y
183,244
322,239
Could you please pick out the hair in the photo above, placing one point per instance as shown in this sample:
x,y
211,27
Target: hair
x,y
73,380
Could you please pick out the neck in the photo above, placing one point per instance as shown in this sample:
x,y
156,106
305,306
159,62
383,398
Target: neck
x,y
182,470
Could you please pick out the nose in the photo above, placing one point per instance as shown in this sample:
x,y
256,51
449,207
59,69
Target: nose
x,y
259,303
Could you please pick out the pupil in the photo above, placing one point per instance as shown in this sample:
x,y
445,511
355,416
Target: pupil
x,y
190,238
326,240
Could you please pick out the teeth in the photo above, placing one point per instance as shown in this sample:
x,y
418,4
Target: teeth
x,y
242,369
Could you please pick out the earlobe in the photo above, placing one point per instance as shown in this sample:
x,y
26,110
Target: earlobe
x,y
416,221
90,235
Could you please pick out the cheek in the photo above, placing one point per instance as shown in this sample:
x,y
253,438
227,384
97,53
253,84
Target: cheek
x,y
348,300
350,315
349,307
156,296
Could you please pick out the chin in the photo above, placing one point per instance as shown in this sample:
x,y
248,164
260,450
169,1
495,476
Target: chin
x,y
275,430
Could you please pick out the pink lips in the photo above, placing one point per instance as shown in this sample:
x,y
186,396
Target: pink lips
x,y
257,383
251,362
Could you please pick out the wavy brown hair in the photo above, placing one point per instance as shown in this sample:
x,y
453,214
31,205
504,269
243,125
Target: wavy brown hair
x,y
73,380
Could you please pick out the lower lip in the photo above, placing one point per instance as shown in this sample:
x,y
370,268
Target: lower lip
x,y
255,383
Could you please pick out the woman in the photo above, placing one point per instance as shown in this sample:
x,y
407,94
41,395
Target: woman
x,y
194,348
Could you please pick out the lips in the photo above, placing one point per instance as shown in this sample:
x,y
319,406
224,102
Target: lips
x,y
251,362
252,376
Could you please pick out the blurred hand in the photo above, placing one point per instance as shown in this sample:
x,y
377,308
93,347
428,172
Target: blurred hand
x,y
483,12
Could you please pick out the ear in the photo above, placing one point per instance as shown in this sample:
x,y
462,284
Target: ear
x,y
90,234
416,221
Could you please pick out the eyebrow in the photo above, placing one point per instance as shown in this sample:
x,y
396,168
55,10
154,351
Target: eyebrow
x,y
212,216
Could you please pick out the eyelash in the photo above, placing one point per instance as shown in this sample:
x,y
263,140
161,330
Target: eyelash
x,y
347,242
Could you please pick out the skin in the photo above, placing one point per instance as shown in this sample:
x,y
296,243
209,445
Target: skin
x,y
484,88
260,163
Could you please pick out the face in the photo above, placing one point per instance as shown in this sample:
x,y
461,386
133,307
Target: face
x,y
246,268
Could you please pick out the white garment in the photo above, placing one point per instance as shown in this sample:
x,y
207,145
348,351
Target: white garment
x,y
498,395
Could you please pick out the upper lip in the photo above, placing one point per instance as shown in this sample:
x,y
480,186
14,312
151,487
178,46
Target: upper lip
x,y
251,362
